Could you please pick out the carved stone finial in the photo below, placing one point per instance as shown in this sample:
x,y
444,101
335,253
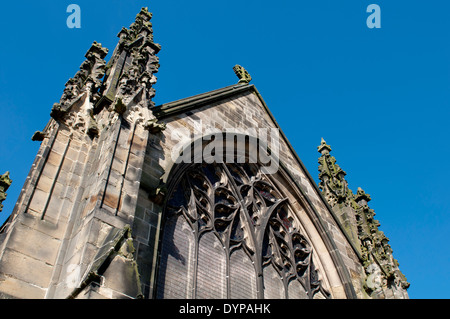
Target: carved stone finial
x,y
133,81
361,195
75,108
145,14
97,48
153,126
375,249
5,182
91,70
332,178
380,266
324,148
140,27
242,74
96,55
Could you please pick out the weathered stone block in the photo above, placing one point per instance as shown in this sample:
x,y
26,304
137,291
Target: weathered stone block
x,y
133,173
45,183
38,201
118,166
72,154
54,159
30,270
139,145
111,197
122,276
141,230
121,154
49,170
14,288
127,206
44,247
59,147
35,222
67,164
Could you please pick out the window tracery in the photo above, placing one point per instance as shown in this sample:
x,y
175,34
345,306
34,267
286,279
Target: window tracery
x,y
248,225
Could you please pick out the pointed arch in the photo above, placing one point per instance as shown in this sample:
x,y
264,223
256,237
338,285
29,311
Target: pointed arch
x,y
242,224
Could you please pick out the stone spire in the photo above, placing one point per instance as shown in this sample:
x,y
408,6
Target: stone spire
x,y
131,71
383,274
335,189
124,85
332,178
88,171
383,278
75,108
5,182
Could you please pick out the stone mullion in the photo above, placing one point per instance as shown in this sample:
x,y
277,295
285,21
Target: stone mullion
x,y
286,278
258,252
226,243
195,230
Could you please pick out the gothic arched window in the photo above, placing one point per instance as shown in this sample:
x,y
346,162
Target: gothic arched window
x,y
229,233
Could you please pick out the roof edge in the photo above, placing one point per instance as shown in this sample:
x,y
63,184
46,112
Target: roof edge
x,y
186,104
183,105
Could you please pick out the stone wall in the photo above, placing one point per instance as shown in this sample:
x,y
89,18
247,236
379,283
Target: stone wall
x,y
245,110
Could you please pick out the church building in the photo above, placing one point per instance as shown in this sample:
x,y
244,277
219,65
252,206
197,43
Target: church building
x,y
200,198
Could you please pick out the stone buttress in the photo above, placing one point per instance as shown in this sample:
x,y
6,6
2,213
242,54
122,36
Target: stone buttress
x,y
80,195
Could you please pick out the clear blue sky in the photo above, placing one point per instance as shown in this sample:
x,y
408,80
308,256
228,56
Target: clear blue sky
x,y
380,97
